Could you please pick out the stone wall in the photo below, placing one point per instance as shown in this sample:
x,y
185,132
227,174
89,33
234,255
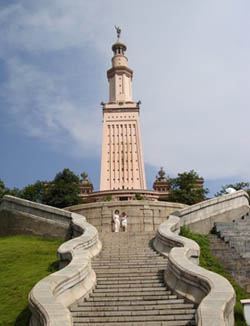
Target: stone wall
x,y
143,215
201,217
19,216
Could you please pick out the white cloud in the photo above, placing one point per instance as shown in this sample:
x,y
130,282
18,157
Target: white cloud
x,y
48,25
41,106
191,71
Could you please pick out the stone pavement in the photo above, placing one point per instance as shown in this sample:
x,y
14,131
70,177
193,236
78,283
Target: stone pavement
x,y
130,287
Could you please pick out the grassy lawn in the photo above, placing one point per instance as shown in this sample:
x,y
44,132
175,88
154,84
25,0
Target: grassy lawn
x,y
24,260
208,261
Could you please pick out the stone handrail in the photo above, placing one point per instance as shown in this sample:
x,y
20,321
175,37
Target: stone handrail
x,y
213,293
49,299
204,214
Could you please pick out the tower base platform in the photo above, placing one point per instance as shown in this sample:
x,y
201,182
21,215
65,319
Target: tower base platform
x,y
143,215
123,195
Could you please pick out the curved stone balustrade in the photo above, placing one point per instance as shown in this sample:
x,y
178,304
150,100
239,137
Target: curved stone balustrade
x,y
50,297
202,216
213,293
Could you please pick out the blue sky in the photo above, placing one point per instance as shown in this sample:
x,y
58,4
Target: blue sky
x,y
191,71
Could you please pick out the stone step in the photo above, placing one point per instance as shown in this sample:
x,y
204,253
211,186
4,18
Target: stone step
x,y
130,297
138,259
120,271
122,319
127,279
127,253
132,245
138,245
127,292
126,257
113,243
128,276
141,307
136,277
140,323
129,266
126,236
122,235
141,264
126,240
151,312
129,258
131,303
127,285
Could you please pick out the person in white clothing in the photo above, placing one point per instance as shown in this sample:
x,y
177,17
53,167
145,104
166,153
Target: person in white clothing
x,y
116,220
124,221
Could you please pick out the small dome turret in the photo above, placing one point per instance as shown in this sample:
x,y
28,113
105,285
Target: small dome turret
x,y
119,48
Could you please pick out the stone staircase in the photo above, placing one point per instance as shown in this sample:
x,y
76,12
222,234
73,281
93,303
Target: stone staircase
x,y
237,266
236,234
130,287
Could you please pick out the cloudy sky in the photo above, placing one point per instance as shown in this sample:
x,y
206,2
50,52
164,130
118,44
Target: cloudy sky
x,y
191,62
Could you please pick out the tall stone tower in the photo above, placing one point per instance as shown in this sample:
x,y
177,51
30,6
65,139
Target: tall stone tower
x,y
122,164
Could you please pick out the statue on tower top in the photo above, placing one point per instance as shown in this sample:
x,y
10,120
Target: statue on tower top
x,y
118,31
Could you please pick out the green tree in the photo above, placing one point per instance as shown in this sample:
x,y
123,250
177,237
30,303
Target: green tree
x,y
14,192
2,188
237,186
185,189
7,191
64,190
35,192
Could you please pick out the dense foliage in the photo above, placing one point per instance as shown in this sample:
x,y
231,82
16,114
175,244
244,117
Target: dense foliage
x,y
61,192
64,190
237,186
185,189
35,192
208,261
6,191
24,261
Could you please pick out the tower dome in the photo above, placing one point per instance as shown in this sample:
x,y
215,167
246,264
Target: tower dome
x,y
119,48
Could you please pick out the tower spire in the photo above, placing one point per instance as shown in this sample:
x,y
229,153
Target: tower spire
x,y
119,76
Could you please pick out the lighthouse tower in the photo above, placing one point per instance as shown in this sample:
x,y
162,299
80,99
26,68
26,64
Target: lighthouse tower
x,y
122,164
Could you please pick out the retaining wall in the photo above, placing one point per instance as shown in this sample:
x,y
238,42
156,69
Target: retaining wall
x,y
143,215
20,216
